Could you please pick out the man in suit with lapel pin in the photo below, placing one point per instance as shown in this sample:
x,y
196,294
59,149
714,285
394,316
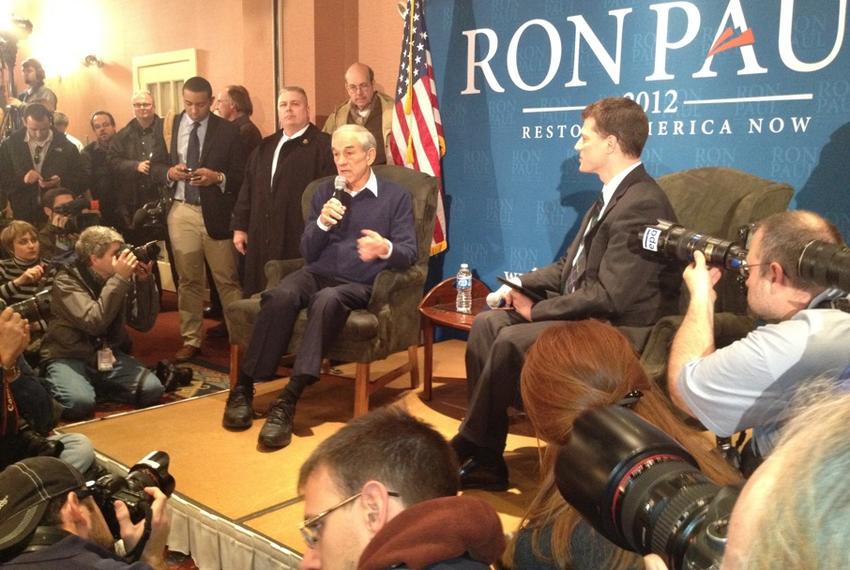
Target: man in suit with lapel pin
x,y
207,164
604,275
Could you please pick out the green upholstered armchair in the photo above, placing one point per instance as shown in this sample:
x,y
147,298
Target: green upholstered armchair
x,y
391,321
714,201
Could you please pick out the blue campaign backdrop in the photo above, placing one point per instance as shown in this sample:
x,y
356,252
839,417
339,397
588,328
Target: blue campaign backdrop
x,y
513,75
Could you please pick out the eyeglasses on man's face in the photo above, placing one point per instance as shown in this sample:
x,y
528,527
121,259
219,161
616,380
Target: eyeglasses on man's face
x,y
745,268
311,529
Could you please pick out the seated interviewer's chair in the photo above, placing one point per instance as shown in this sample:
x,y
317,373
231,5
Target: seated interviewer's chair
x,y
391,321
715,201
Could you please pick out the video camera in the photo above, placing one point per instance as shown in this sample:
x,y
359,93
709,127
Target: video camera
x,y
824,264
642,490
77,220
150,471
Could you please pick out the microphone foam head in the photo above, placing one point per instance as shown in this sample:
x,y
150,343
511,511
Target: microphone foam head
x,y
495,299
339,183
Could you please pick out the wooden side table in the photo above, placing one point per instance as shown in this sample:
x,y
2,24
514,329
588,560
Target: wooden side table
x,y
438,309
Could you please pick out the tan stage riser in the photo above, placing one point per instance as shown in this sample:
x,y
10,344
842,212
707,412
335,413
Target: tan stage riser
x,y
225,472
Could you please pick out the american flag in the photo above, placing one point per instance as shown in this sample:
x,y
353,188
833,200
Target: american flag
x,y
417,140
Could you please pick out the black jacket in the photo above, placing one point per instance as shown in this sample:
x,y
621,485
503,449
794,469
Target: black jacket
x,y
126,150
62,159
221,151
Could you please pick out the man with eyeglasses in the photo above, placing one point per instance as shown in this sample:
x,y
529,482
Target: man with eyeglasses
x,y
35,159
100,178
131,152
381,493
366,107
749,383
48,519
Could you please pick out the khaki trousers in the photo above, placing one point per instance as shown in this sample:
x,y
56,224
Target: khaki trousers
x,y
191,245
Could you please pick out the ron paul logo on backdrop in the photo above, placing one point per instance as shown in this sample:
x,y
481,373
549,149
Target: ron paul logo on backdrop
x,y
734,35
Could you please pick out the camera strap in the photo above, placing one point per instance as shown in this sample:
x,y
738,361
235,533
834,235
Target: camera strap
x,y
136,553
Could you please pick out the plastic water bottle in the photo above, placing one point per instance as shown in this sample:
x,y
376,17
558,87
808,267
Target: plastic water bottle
x,y
463,283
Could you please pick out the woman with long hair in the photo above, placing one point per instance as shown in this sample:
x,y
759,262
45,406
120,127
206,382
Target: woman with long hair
x,y
572,368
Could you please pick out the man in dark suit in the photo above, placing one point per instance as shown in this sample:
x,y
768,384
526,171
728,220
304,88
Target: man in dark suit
x,y
35,159
207,165
604,275
267,219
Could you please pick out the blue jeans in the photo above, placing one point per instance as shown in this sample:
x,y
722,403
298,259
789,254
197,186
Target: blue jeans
x,y
78,450
76,385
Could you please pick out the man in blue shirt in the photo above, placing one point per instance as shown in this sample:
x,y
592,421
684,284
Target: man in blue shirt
x,y
750,383
345,247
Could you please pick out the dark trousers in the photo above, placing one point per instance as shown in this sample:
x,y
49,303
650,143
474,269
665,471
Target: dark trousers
x,y
328,302
495,354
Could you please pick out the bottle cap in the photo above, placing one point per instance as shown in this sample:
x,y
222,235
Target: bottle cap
x,y
464,266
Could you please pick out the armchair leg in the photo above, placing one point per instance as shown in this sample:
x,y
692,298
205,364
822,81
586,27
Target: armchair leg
x,y
413,356
234,364
361,389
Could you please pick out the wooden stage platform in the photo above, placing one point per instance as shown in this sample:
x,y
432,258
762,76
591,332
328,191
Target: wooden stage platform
x,y
238,507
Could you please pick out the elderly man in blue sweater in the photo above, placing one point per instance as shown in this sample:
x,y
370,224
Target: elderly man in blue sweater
x,y
346,243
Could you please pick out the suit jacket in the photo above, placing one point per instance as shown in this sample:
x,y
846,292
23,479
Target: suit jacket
x,y
62,159
270,210
622,282
221,151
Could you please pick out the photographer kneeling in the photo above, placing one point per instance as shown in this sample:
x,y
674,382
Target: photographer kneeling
x,y
86,346
50,520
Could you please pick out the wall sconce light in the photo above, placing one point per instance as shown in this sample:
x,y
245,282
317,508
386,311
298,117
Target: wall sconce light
x,y
91,60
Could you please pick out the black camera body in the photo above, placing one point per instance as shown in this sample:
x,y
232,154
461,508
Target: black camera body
x,y
150,471
642,490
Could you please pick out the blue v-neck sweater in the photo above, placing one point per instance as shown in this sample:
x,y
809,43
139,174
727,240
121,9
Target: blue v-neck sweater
x,y
334,253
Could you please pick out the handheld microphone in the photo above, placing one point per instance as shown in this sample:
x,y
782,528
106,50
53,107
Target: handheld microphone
x,y
496,299
339,194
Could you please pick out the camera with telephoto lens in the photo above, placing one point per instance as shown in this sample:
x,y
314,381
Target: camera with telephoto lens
x,y
35,308
150,471
145,253
642,490
678,242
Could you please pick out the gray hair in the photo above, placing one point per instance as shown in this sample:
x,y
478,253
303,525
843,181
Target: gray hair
x,y
140,94
805,526
95,240
362,134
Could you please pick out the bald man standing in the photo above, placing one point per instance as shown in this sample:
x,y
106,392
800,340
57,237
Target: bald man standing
x,y
366,107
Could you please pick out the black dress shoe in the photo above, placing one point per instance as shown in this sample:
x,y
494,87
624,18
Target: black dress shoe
x,y
277,431
464,449
212,313
238,413
487,475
